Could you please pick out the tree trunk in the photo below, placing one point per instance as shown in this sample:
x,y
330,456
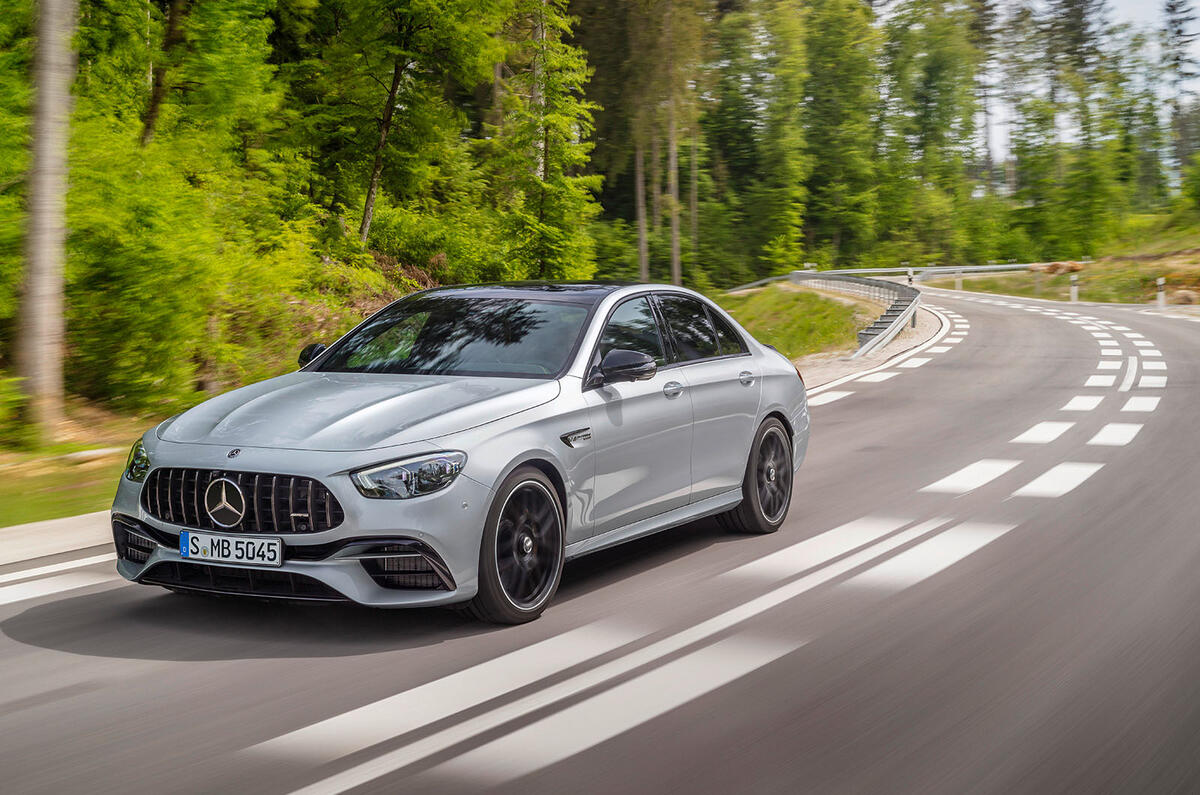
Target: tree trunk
x,y
385,126
172,40
639,201
40,343
694,195
989,165
672,154
673,193
655,180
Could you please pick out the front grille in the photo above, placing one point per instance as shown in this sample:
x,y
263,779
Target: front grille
x,y
274,503
241,582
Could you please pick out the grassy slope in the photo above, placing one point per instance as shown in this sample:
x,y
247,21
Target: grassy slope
x,y
796,322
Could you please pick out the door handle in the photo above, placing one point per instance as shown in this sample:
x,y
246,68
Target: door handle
x,y
672,389
746,377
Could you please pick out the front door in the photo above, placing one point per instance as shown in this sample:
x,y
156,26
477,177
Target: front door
x,y
641,430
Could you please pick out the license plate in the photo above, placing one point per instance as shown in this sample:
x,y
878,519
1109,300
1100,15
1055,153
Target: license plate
x,y
231,549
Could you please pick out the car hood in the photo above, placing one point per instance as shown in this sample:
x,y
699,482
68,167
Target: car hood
x,y
353,411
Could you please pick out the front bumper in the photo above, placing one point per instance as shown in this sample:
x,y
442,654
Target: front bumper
x,y
439,534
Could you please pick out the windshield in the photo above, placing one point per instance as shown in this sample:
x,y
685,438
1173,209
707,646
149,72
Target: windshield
x,y
459,335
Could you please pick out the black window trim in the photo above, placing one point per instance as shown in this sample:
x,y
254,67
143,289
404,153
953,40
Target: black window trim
x,y
668,345
708,313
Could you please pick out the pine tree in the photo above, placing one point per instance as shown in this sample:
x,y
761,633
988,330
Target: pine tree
x,y
1178,36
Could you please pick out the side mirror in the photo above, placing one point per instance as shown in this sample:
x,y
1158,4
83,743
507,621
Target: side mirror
x,y
623,365
310,352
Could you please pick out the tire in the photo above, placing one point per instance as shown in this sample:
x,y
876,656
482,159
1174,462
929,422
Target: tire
x,y
768,481
521,555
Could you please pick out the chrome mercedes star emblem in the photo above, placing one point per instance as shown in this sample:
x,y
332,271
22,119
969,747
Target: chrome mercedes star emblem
x,y
225,503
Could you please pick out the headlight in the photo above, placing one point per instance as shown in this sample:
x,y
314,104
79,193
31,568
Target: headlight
x,y
412,477
138,464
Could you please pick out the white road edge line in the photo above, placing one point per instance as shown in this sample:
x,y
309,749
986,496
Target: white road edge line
x,y
895,359
13,576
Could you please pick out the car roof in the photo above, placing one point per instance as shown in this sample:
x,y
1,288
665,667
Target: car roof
x,y
575,292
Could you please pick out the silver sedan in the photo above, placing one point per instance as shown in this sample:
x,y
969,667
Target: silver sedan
x,y
461,444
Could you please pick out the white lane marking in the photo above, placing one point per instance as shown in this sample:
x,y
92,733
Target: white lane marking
x,y
819,549
1141,404
1082,403
13,576
1058,480
958,333
368,725
943,328
916,361
939,349
1071,314
971,476
1108,365
1154,365
462,731
52,585
953,340
827,397
1150,352
1115,434
1102,335
1120,328
874,378
606,715
1133,335
1152,382
1143,344
1100,380
1130,374
1108,343
1111,352
1043,433
931,556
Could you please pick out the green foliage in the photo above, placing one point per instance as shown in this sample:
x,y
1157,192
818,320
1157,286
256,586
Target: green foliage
x,y
13,431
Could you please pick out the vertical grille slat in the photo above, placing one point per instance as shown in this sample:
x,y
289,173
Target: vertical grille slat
x,y
176,495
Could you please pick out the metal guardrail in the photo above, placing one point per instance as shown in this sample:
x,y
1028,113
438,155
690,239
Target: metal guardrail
x,y
902,301
929,270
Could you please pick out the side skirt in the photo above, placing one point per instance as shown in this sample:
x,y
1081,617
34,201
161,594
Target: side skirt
x,y
656,524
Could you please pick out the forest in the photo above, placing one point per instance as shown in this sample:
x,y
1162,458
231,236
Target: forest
x,y
243,176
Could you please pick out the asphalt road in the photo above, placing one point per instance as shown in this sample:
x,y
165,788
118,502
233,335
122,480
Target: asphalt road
x,y
989,582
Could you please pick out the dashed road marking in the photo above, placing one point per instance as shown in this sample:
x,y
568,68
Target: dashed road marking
x,y
1154,365
874,378
930,556
1043,433
1130,374
1141,404
1152,382
1100,380
971,476
1058,480
1115,434
916,361
1082,403
1108,365
827,397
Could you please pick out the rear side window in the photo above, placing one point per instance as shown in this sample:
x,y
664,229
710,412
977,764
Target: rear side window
x,y
632,327
690,328
730,341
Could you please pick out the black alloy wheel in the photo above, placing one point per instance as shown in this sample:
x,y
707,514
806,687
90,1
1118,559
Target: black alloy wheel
x,y
767,485
522,550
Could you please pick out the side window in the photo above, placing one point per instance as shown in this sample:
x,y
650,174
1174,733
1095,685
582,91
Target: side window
x,y
632,327
693,334
730,341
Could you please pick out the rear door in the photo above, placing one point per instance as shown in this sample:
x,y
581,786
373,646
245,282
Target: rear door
x,y
725,385
641,430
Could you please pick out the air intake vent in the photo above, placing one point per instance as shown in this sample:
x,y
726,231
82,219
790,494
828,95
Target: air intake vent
x,y
270,503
